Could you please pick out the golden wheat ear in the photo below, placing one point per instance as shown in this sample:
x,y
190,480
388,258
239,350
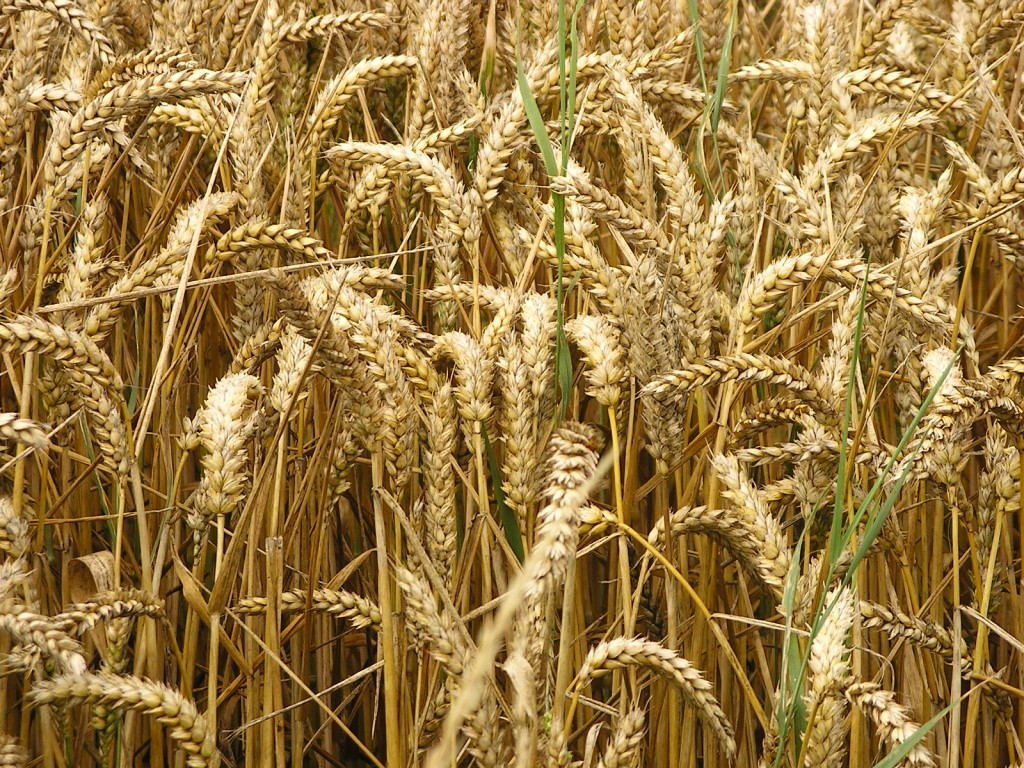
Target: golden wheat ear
x,y
623,652
122,692
891,719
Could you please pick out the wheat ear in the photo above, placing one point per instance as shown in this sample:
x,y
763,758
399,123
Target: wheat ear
x,y
623,652
892,720
24,431
188,727
829,668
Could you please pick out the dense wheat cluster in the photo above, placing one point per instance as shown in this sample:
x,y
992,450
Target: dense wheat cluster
x,y
488,383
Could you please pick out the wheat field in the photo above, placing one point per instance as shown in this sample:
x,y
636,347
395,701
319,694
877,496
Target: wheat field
x,y
487,383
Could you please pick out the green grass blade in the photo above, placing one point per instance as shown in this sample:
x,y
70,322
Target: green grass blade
x,y
513,535
874,526
536,122
723,77
835,544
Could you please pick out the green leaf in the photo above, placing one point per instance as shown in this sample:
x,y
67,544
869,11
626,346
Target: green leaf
x,y
513,535
723,74
874,526
835,544
536,121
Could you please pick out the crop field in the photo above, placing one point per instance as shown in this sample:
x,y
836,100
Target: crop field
x,y
511,383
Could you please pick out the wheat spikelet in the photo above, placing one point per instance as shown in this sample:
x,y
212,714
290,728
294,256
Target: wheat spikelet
x,y
743,536
87,260
14,541
315,325
767,414
639,231
134,95
538,338
376,333
336,93
742,368
328,23
863,135
774,557
104,718
600,343
897,624
249,135
434,631
442,25
344,453
506,130
29,333
366,327
682,203
998,495
130,65
257,349
655,338
522,450
474,372
93,379
31,33
879,27
230,37
571,462
13,575
257,235
454,204
890,82
771,284
447,646
190,118
293,359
